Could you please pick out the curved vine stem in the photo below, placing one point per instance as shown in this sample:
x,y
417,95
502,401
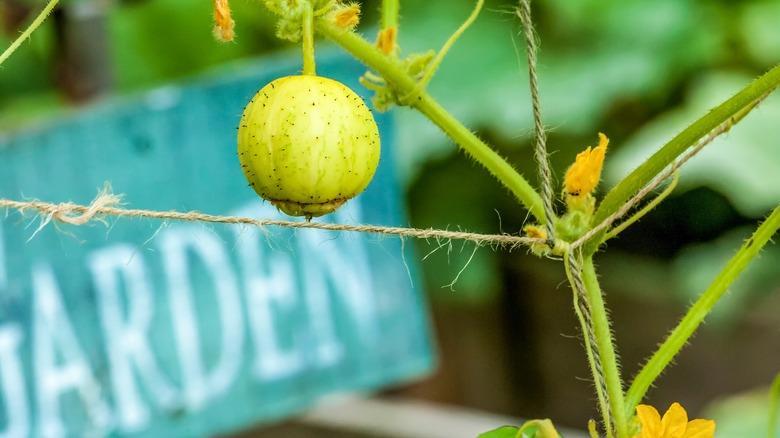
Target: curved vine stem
x,y
685,329
394,73
448,44
735,107
26,34
646,209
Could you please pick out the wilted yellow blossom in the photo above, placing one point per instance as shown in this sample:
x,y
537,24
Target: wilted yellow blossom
x,y
386,39
223,23
583,176
537,232
674,424
347,16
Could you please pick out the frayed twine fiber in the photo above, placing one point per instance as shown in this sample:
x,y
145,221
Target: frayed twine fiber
x,y
107,203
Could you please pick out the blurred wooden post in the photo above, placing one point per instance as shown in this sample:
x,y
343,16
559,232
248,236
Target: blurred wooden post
x,y
14,15
82,55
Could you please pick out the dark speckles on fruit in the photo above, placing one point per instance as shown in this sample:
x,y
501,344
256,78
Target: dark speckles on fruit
x,y
308,128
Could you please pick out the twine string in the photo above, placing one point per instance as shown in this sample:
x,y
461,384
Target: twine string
x,y
540,150
109,204
584,313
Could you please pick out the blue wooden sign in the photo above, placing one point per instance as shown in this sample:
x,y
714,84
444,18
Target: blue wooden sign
x,y
144,328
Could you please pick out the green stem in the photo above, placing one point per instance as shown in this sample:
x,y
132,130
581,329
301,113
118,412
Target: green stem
x,y
592,429
390,13
482,153
26,34
605,345
394,73
448,44
579,295
309,64
669,152
646,209
684,330
774,393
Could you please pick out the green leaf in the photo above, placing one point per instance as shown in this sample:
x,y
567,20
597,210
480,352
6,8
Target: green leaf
x,y
501,432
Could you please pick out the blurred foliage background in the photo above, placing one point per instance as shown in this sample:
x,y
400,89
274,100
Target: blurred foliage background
x,y
637,70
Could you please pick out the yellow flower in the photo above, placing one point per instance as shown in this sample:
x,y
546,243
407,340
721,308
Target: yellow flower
x,y
674,424
584,174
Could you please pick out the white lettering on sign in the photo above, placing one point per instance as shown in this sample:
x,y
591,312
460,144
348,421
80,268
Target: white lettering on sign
x,y
269,315
127,328
14,394
176,244
324,263
3,272
52,334
269,280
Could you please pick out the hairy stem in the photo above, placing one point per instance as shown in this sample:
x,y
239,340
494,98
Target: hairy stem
x,y
392,71
390,13
573,265
643,174
26,34
691,321
646,209
606,348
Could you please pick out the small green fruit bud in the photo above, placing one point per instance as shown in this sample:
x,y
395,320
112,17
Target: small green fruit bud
x,y
308,144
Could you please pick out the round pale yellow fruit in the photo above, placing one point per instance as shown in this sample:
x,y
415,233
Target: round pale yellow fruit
x,y
308,144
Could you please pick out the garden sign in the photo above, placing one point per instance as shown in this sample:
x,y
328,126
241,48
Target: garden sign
x,y
150,328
